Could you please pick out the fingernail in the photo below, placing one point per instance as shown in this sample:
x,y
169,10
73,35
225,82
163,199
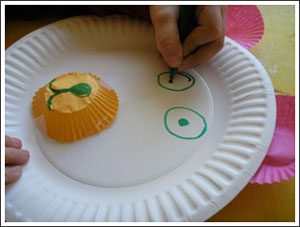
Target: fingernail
x,y
175,61
12,174
16,141
16,170
26,154
171,56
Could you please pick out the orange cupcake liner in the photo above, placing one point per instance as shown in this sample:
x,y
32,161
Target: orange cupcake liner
x,y
90,117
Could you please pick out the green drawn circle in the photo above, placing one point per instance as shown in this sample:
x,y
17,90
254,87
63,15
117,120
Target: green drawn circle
x,y
171,89
182,137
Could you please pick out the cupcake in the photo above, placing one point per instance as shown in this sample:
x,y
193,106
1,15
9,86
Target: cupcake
x,y
74,106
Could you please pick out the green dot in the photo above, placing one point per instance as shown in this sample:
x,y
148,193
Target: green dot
x,y
188,109
183,122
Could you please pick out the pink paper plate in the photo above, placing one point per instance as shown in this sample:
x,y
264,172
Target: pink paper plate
x,y
279,163
244,24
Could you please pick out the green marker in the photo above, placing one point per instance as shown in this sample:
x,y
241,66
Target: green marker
x,y
186,24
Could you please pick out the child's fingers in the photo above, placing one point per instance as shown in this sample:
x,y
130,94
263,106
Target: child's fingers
x,y
16,156
210,28
12,173
12,142
164,19
203,54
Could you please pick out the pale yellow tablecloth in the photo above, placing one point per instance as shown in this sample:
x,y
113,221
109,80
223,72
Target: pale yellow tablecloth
x,y
276,51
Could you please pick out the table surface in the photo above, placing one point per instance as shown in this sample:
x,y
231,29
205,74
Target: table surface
x,y
276,51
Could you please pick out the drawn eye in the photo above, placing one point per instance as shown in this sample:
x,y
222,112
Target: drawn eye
x,y
182,82
185,123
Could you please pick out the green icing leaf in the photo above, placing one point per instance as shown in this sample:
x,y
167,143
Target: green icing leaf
x,y
80,90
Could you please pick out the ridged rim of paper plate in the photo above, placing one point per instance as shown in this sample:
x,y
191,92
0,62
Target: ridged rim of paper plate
x,y
50,197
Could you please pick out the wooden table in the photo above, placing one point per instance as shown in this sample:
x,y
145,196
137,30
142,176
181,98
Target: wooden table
x,y
276,51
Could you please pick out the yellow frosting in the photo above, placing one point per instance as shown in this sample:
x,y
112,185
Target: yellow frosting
x,y
67,102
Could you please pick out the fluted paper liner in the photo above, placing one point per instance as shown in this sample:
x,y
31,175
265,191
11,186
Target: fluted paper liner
x,y
70,118
244,24
279,163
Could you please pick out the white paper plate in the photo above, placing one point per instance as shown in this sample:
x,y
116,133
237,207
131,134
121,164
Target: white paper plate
x,y
136,170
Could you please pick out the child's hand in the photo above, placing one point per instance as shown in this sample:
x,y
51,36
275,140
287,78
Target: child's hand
x,y
206,40
14,158
164,19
